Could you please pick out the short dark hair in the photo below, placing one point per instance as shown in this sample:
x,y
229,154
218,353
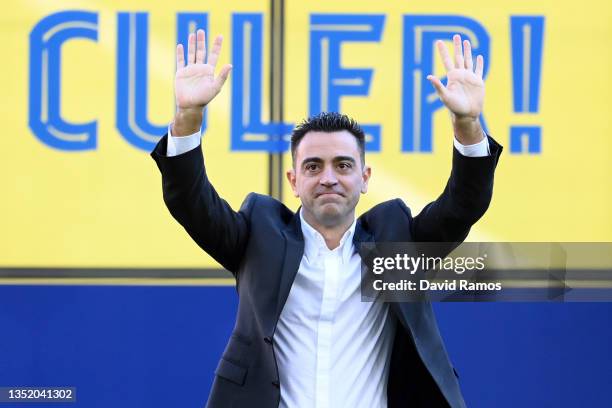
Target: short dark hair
x,y
328,122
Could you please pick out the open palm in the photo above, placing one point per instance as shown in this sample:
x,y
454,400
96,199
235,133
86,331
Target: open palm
x,y
464,92
195,84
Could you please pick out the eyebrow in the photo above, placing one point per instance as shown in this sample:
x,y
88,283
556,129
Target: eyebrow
x,y
335,159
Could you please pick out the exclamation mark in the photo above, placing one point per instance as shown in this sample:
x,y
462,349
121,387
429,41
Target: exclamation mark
x,y
527,36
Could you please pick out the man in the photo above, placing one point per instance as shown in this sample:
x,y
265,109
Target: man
x,y
303,337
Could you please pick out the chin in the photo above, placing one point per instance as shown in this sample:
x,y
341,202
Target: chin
x,y
329,214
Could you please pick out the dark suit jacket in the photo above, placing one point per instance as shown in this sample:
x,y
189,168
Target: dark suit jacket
x,y
262,245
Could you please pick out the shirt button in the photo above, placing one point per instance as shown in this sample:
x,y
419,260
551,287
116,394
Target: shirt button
x,y
268,340
276,383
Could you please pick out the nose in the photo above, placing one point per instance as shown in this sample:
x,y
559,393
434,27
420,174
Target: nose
x,y
328,177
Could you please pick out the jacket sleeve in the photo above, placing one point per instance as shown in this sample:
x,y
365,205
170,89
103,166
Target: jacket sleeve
x,y
195,204
464,200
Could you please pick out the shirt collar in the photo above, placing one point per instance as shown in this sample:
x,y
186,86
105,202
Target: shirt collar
x,y
314,243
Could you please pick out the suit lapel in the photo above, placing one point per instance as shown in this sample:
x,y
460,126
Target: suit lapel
x,y
294,250
362,236
366,246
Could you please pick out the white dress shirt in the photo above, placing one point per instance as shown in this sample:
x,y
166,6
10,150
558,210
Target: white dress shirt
x,y
332,349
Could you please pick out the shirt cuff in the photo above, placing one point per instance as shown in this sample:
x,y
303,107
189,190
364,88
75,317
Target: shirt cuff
x,y
479,149
181,144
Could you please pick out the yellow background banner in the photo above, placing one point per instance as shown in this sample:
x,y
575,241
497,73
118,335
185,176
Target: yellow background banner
x,y
103,207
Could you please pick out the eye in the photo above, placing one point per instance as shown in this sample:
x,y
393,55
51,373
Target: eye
x,y
311,167
345,165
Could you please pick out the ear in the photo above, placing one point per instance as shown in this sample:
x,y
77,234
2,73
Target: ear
x,y
365,178
292,181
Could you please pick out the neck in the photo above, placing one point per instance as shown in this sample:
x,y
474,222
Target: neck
x,y
331,233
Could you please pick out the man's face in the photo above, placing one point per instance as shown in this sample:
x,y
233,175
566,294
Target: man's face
x,y
328,176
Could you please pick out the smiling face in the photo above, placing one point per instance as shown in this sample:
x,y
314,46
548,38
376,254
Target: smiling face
x,y
328,176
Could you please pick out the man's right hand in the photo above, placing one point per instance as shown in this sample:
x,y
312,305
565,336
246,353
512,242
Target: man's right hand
x,y
195,84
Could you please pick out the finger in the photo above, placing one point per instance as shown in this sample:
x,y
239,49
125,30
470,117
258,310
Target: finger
x,y
437,84
458,52
200,47
191,49
479,66
180,57
446,59
222,77
467,50
216,50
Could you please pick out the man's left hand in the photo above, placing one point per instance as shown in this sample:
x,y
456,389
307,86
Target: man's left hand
x,y
464,92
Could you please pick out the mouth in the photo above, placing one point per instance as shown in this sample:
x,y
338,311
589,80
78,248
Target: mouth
x,y
329,193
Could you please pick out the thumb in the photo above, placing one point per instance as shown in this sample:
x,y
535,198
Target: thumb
x,y
440,89
223,74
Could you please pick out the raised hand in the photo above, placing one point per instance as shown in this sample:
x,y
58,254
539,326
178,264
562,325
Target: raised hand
x,y
464,92
195,82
